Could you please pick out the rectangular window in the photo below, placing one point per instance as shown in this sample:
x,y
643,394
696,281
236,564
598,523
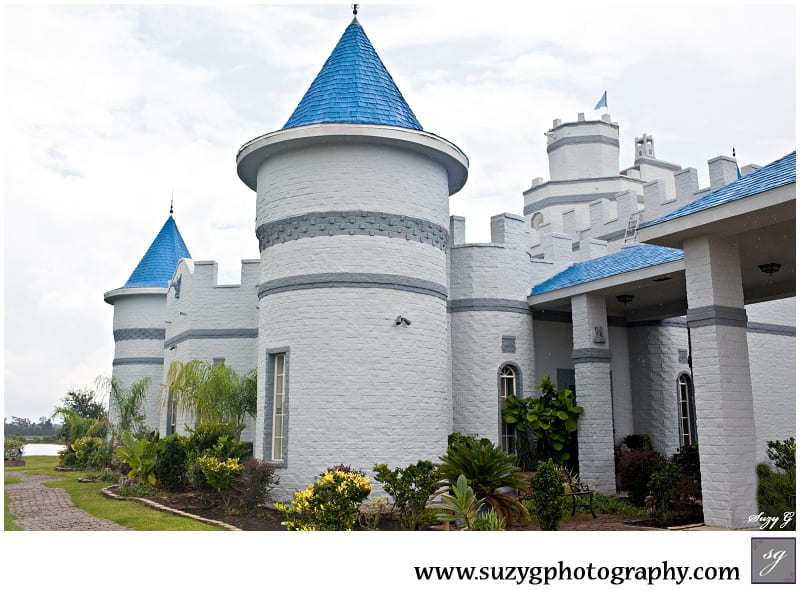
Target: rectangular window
x,y
279,407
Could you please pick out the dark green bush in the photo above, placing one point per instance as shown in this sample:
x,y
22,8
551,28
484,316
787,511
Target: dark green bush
x,y
662,484
782,453
638,442
410,488
92,453
547,491
170,467
777,492
636,468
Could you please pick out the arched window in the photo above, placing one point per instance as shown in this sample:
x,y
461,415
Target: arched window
x,y
686,411
509,381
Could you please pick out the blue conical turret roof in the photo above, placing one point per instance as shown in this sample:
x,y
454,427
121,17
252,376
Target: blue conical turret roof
x,y
354,87
161,259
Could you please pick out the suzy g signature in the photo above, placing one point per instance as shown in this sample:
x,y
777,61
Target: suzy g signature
x,y
769,522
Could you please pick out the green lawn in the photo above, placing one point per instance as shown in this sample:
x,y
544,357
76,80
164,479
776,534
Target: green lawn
x,y
87,496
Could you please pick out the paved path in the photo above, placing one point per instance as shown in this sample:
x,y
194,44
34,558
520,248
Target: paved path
x,y
38,508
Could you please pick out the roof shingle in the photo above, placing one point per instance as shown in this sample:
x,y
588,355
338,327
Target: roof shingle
x,y
161,259
626,260
353,87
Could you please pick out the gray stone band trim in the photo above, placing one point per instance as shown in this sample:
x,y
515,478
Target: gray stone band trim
x,y
351,223
777,329
138,360
716,315
566,200
582,139
487,304
329,280
591,355
212,334
139,334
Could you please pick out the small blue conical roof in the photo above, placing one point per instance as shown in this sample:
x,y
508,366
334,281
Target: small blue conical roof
x,y
353,87
161,259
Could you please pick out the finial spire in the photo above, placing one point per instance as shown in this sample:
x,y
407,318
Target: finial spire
x,y
734,152
171,199
355,9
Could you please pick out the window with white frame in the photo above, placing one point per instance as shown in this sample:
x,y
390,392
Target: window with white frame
x,y
686,409
279,407
508,388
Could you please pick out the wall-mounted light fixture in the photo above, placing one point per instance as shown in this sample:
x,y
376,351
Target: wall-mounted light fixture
x,y
401,321
770,268
624,299
173,347
182,313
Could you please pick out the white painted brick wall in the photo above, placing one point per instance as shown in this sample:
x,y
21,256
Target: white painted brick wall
x,y
337,177
476,359
360,390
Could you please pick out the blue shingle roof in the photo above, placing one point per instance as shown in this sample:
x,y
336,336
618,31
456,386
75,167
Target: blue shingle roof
x,y
626,260
161,259
773,175
353,87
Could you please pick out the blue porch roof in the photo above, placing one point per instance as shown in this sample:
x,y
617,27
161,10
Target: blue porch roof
x,y
353,87
161,259
773,175
626,260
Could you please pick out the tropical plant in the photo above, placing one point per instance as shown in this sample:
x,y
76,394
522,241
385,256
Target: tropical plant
x,y
552,418
410,488
213,439
459,504
140,456
662,486
329,504
126,404
77,426
489,520
211,393
490,472
547,492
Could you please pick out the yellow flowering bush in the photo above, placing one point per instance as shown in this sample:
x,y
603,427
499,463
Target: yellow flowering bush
x,y
329,504
221,475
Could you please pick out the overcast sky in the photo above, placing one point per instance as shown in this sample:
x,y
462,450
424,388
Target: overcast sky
x,y
111,109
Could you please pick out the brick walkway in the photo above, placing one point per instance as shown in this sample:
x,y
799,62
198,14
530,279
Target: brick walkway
x,y
38,508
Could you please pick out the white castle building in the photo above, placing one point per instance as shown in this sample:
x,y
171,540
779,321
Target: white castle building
x,y
377,330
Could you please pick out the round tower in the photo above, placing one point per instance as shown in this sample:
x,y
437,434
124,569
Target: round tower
x,y
351,217
139,314
583,149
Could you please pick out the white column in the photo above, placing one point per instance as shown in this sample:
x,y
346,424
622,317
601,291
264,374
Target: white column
x,y
723,390
592,360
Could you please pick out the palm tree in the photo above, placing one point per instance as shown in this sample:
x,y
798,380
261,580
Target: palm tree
x,y
211,393
126,404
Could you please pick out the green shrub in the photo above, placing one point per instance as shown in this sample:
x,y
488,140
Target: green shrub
x,y
490,472
211,439
12,447
636,468
92,452
547,491
329,504
252,488
489,520
410,488
777,493
662,484
220,475
170,468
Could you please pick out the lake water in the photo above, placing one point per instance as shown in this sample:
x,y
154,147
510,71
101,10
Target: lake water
x,y
39,449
